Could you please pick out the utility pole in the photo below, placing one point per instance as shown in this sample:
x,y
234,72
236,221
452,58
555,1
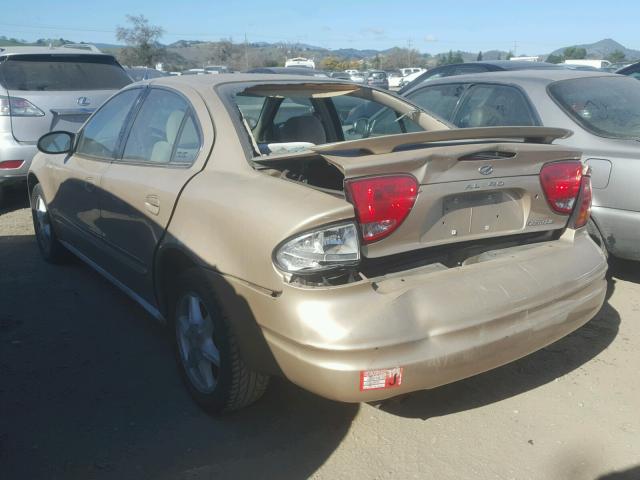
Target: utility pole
x,y
409,53
246,52
515,48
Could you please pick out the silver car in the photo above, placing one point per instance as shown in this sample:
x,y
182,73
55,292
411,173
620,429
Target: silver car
x,y
602,110
48,88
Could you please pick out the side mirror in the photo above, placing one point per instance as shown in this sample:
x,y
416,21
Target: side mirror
x,y
56,142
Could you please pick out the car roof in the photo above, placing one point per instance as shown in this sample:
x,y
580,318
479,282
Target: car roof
x,y
204,82
518,64
76,50
540,76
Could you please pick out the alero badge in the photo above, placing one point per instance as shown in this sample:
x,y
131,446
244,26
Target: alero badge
x,y
380,379
486,170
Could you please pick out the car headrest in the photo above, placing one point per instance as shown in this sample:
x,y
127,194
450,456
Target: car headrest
x,y
305,128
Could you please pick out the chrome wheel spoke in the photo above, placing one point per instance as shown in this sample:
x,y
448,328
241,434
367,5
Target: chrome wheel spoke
x,y
210,352
198,351
206,374
195,312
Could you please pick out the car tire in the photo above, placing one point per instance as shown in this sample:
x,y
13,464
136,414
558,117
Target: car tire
x,y
50,247
202,333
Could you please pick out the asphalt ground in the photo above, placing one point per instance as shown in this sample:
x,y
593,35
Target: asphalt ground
x,y
89,389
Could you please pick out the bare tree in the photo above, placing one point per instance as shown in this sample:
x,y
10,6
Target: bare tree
x,y
142,41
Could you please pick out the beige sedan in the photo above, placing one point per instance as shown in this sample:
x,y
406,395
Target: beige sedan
x,y
277,234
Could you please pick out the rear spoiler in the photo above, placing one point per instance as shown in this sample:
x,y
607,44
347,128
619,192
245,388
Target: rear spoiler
x,y
389,143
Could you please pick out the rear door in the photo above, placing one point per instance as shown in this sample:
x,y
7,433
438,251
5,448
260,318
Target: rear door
x,y
165,147
66,88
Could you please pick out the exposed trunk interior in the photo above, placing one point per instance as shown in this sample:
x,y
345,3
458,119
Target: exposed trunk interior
x,y
312,170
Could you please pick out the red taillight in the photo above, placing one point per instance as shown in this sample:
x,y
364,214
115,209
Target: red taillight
x,y
584,207
11,164
382,203
561,183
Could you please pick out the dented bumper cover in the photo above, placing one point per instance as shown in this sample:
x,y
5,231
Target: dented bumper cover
x,y
437,324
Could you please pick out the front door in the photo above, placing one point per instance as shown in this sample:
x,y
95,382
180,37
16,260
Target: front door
x,y
76,205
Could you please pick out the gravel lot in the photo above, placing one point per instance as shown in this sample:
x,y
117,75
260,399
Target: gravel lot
x,y
88,389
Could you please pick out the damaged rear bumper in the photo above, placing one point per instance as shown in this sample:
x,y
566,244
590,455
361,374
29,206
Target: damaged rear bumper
x,y
437,324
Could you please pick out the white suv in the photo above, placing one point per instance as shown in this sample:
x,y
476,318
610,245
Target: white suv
x,y
48,88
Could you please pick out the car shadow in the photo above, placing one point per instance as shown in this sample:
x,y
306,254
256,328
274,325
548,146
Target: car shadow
x,y
90,389
632,473
626,270
15,197
530,372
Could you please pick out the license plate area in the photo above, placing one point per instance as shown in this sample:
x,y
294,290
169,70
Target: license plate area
x,y
69,123
473,213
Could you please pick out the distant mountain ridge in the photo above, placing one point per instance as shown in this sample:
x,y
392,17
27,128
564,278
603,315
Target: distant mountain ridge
x,y
602,49
197,51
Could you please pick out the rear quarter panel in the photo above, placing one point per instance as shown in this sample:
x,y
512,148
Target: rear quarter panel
x,y
230,217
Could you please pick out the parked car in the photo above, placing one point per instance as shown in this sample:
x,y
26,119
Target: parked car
x,y
414,260
309,72
195,71
376,78
394,77
340,75
603,111
409,70
138,74
48,88
472,67
357,77
631,71
217,69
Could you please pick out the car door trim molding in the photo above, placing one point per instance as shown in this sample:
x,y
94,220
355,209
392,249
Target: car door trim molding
x,y
153,311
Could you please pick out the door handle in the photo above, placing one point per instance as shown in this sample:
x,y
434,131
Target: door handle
x,y
152,204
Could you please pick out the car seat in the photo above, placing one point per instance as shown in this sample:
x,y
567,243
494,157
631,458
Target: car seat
x,y
304,128
161,152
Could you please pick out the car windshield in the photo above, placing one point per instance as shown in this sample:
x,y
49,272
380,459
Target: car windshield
x,y
287,118
62,72
606,106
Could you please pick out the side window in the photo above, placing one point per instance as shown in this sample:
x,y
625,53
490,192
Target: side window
x,y
156,128
188,143
494,106
634,72
439,99
388,122
465,69
250,107
101,135
439,73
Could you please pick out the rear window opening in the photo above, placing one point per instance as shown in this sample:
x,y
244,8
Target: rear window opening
x,y
62,72
289,118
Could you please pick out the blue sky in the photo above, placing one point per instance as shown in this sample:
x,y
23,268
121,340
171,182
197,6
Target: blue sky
x,y
537,27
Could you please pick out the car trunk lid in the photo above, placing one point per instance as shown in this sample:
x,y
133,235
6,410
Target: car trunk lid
x,y
62,111
471,186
